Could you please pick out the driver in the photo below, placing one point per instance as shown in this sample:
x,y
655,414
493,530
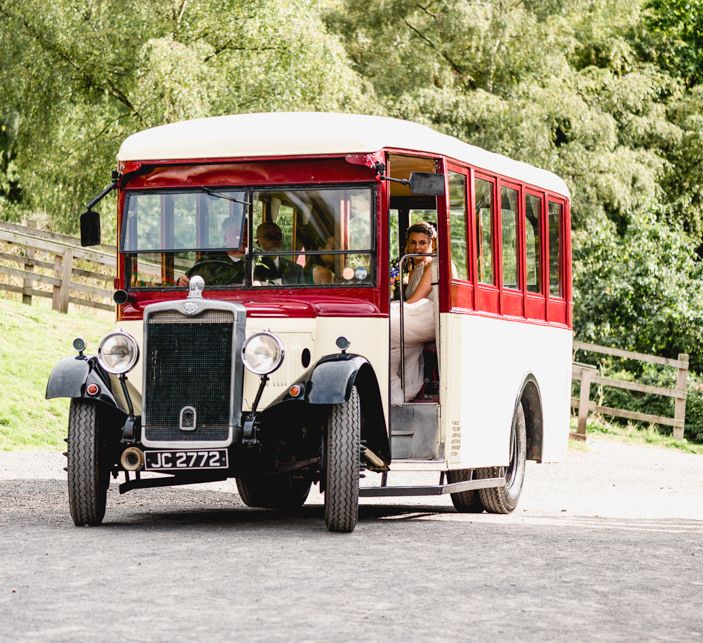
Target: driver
x,y
222,268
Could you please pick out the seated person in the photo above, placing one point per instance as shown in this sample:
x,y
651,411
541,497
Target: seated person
x,y
418,314
274,270
222,268
319,269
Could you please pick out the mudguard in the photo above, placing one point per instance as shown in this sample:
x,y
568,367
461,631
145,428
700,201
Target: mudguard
x,y
332,378
331,382
71,376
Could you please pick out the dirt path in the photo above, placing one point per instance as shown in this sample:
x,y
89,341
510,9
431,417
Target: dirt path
x,y
605,546
603,478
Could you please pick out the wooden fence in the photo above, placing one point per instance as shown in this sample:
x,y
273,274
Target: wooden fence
x,y
588,374
37,263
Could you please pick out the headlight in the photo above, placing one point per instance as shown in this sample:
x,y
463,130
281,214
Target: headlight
x,y
118,353
262,353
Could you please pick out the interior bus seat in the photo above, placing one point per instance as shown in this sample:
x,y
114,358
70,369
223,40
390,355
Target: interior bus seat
x,y
430,388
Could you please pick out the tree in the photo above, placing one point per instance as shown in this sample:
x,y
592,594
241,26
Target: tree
x,y
674,37
82,76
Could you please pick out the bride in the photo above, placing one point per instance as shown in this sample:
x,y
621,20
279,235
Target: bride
x,y
418,314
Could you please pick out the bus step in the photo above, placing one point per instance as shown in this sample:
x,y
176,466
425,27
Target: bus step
x,y
415,431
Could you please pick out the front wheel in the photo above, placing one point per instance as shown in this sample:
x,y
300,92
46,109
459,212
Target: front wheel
x,y
88,465
342,455
502,500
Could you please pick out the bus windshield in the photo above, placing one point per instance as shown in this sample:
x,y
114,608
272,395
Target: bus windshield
x,y
249,238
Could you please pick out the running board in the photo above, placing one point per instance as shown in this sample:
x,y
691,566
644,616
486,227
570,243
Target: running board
x,y
432,490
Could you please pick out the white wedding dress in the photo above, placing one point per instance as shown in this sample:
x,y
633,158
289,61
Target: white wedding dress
x,y
418,329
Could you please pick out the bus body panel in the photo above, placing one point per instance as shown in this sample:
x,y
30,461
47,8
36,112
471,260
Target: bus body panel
x,y
490,359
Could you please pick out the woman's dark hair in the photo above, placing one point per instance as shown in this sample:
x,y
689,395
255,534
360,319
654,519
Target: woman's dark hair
x,y
423,228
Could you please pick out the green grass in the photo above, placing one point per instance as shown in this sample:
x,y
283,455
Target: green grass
x,y
637,434
32,340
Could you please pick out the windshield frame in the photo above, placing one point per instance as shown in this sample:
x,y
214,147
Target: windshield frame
x,y
253,252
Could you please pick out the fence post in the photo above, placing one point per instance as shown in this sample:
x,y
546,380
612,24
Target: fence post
x,y
587,373
28,284
63,266
680,403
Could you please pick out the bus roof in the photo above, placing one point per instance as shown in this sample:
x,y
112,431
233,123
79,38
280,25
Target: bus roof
x,y
282,134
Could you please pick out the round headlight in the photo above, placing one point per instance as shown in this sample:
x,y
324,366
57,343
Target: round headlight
x,y
262,353
118,353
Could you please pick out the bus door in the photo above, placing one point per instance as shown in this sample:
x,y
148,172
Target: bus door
x,y
414,360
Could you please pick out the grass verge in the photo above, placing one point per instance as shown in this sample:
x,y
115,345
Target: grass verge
x,y
638,434
32,340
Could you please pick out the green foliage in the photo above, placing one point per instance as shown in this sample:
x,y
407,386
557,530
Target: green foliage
x,y
675,37
83,76
640,291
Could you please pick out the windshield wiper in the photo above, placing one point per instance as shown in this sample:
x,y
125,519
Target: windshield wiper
x,y
220,195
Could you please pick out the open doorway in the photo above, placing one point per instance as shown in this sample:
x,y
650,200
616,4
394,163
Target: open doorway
x,y
414,361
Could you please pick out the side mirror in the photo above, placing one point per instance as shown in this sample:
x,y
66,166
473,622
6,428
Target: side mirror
x,y
427,183
90,228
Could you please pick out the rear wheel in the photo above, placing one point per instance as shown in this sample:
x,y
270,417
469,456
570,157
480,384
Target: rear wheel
x,y
88,465
502,500
274,492
342,455
465,501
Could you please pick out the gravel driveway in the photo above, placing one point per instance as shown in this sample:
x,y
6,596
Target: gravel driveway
x,y
603,478
607,546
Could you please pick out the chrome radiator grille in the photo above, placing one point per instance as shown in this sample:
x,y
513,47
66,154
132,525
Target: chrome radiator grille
x,y
188,363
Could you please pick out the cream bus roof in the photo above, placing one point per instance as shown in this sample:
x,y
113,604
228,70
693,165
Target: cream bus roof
x,y
313,133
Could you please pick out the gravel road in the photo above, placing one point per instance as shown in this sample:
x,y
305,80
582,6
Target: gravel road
x,y
605,546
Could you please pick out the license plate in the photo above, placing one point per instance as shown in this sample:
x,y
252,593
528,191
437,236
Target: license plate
x,y
194,459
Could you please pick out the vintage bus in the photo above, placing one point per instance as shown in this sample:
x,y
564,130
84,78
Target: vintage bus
x,y
258,257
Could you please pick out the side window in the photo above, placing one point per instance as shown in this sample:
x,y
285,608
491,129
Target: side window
x,y
555,249
533,240
509,229
484,231
457,221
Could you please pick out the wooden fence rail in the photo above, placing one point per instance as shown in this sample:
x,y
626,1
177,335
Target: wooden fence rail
x,y
32,258
588,374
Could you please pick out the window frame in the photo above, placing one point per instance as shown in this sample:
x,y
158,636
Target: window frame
x,y
512,300
487,295
167,257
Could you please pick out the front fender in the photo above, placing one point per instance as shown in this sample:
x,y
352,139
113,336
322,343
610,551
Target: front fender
x,y
331,382
71,376
332,378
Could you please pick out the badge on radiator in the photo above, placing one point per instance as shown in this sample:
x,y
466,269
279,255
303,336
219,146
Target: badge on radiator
x,y
187,419
190,307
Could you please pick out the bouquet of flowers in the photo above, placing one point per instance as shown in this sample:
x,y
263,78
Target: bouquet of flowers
x,y
396,280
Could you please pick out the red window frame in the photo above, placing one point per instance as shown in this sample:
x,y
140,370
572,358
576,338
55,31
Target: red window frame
x,y
487,296
558,307
512,301
461,293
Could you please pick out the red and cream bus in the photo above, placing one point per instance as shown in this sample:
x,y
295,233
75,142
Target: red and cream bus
x,y
253,316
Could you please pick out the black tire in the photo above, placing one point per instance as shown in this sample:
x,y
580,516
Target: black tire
x,y
88,465
502,500
274,492
465,501
342,455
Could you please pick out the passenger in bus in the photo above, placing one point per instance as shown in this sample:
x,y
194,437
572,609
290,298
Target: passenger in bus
x,y
418,314
222,268
274,270
319,269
